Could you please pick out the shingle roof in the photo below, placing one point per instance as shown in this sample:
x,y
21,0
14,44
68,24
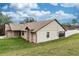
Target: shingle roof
x,y
17,26
34,26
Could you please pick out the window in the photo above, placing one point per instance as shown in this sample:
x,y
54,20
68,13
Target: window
x,y
47,35
22,33
61,34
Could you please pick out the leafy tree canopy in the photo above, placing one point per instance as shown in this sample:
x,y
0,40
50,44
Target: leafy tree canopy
x,y
74,21
4,19
27,20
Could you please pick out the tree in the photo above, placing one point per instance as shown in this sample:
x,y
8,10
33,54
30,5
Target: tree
x,y
27,20
4,19
74,21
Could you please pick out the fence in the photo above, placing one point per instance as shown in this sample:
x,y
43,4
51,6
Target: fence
x,y
71,32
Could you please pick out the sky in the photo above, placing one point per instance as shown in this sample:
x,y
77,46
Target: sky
x,y
63,12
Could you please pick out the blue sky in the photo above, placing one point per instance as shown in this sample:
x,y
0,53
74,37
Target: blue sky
x,y
63,12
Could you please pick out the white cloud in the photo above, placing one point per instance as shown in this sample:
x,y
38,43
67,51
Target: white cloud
x,y
4,13
60,15
25,5
38,13
22,14
15,16
26,10
55,4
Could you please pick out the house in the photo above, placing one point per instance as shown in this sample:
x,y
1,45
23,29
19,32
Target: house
x,y
36,32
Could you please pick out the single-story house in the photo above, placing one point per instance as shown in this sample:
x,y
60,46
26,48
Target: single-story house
x,y
36,32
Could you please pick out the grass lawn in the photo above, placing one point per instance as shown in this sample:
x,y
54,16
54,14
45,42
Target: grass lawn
x,y
63,46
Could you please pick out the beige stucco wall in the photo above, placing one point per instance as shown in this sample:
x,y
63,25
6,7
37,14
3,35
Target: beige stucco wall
x,y
25,35
53,28
9,34
30,36
34,37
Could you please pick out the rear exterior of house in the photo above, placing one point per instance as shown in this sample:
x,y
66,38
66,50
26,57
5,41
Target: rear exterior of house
x,y
35,32
49,32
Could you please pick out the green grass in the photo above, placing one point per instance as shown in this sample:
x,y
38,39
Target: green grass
x,y
61,47
12,44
